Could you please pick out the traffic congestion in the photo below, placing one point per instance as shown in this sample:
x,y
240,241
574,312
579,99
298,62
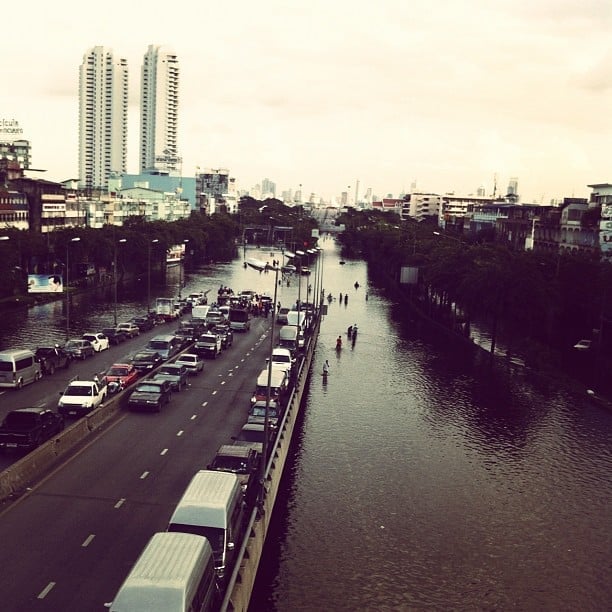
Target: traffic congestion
x,y
153,379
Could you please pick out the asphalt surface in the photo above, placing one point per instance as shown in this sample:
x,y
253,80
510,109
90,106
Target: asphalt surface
x,y
69,543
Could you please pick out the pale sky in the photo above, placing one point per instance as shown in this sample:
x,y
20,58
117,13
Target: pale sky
x,y
446,94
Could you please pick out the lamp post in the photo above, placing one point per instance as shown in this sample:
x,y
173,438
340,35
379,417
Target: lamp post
x,y
152,242
181,264
122,240
66,286
264,459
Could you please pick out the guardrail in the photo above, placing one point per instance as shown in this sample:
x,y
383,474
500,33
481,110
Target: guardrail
x,y
242,579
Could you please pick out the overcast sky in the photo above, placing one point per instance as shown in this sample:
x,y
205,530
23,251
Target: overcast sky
x,y
446,94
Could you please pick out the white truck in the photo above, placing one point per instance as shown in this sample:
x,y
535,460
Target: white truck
x,y
81,397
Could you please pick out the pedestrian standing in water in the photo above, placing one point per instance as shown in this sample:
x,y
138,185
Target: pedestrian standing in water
x,y
346,299
340,297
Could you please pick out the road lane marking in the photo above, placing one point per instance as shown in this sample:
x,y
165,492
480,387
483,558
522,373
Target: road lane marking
x,y
204,404
179,433
120,503
46,590
214,392
194,416
222,382
144,475
88,541
164,451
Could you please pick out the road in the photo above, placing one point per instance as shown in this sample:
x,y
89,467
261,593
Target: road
x,y
69,543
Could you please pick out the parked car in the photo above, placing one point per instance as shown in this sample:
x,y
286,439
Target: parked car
x,y
192,362
257,413
144,323
184,336
240,460
98,340
175,373
150,395
78,348
130,328
27,428
51,358
145,361
282,359
115,336
281,317
123,373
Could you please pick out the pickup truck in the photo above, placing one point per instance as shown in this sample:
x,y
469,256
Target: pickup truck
x,y
81,397
26,428
51,358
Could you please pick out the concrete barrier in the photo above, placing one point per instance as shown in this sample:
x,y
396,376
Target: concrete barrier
x,y
104,413
25,471
70,437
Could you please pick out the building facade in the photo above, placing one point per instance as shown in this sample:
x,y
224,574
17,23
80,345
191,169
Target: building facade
x,y
103,105
17,151
159,98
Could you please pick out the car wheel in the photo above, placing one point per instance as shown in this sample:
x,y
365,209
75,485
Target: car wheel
x,y
20,384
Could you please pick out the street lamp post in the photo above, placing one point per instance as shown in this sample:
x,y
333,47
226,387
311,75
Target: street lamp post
x,y
66,286
152,242
182,263
264,459
122,240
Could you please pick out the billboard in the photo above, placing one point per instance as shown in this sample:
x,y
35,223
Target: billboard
x,y
45,283
409,275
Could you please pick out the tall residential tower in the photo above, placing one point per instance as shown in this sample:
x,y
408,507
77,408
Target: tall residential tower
x,y
103,105
159,112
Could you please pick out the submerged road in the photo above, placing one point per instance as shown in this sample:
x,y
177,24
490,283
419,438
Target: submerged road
x,y
70,542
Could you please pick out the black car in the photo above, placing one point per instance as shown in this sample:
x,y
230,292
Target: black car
x,y
27,428
145,361
150,395
51,358
115,336
144,323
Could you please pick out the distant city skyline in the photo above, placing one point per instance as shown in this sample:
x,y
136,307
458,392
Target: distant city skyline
x,y
323,94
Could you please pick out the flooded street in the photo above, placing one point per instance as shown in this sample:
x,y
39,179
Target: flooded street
x,y
418,480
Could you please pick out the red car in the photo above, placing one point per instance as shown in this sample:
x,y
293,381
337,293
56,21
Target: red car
x,y
123,373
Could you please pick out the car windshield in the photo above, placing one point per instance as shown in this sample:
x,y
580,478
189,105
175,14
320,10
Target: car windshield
x,y
79,390
148,388
73,344
89,337
18,420
238,465
158,344
118,372
247,435
143,357
170,370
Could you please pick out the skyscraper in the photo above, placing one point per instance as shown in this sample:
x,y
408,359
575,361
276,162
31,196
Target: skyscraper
x,y
103,104
159,112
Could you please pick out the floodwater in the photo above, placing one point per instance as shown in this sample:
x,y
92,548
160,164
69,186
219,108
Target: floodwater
x,y
418,479
422,481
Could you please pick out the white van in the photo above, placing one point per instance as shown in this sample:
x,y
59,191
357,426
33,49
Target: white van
x,y
18,368
212,506
174,573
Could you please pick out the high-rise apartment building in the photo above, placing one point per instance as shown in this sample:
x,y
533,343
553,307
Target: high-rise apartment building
x,y
159,112
103,105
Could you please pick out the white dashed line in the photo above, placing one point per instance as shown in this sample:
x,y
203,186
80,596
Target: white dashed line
x,y
214,393
88,541
120,503
144,475
179,433
46,590
164,451
222,382
194,416
204,404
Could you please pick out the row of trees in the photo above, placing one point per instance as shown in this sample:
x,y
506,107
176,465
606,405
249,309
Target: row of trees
x,y
135,245
543,302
